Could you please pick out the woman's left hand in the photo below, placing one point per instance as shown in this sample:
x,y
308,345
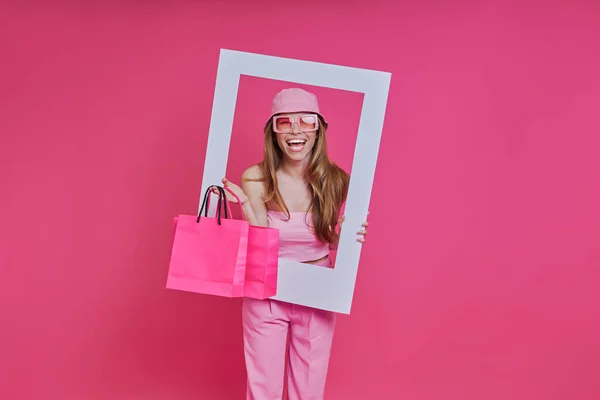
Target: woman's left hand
x,y
362,233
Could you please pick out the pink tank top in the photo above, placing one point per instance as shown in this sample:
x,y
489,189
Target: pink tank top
x,y
297,240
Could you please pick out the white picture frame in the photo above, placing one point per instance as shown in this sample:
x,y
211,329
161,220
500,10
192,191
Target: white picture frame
x,y
298,283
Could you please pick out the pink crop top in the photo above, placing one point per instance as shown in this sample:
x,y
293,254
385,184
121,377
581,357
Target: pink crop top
x,y
297,240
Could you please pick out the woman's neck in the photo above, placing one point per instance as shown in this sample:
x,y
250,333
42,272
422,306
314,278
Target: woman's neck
x,y
295,169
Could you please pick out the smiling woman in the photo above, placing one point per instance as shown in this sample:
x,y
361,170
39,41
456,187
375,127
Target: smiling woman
x,y
300,191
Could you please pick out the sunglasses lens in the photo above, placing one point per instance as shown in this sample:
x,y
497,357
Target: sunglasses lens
x,y
308,123
283,124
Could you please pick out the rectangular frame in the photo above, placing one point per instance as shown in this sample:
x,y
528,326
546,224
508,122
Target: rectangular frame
x,y
298,283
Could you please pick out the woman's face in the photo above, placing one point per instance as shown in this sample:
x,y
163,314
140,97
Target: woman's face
x,y
296,134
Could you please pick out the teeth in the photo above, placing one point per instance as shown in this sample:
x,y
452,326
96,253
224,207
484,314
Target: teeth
x,y
296,142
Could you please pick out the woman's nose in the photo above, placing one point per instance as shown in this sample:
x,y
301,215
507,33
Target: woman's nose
x,y
295,128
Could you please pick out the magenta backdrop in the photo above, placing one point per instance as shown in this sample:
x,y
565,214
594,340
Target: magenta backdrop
x,y
480,277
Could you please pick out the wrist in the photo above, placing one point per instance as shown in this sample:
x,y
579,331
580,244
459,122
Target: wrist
x,y
245,204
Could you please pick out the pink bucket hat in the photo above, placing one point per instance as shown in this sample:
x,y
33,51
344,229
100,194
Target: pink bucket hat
x,y
295,100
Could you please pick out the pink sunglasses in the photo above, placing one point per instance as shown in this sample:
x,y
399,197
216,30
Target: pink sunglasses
x,y
305,123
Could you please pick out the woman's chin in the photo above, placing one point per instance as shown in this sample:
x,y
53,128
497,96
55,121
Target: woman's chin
x,y
296,157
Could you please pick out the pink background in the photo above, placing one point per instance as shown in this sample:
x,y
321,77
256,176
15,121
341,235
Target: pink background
x,y
480,277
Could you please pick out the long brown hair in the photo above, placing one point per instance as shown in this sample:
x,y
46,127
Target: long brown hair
x,y
328,183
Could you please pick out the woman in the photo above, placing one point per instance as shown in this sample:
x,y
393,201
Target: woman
x,y
297,189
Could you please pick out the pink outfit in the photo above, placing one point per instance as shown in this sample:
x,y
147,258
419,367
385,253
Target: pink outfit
x,y
296,239
266,325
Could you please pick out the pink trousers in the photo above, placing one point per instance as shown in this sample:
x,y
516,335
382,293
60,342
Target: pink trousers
x,y
267,324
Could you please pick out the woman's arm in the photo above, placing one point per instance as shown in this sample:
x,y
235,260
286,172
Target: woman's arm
x,y
250,195
338,228
361,234
255,192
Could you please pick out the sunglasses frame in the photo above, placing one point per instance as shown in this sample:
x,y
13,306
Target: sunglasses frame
x,y
296,121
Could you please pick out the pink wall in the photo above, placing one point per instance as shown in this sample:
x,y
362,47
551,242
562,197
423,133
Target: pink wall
x,y
480,277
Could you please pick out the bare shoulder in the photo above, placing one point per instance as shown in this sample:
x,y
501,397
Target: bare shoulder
x,y
253,184
254,187
252,174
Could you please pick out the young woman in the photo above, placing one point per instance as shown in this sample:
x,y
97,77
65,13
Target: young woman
x,y
297,189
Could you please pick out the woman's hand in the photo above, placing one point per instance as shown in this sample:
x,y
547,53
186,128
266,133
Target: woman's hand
x,y
233,192
362,233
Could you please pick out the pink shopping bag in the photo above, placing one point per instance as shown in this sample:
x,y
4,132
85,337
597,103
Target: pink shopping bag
x,y
208,254
262,260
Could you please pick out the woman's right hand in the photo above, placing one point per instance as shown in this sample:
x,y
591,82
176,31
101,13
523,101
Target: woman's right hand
x,y
233,192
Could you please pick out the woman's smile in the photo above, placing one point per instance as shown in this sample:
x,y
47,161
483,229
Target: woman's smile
x,y
296,145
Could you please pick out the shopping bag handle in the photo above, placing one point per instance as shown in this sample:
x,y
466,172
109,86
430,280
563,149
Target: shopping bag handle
x,y
227,208
238,201
206,204
220,206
